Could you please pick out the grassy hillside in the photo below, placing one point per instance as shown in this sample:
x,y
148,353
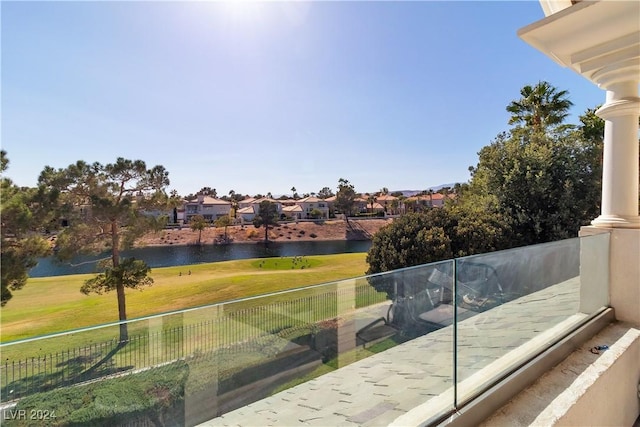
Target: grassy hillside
x,y
53,304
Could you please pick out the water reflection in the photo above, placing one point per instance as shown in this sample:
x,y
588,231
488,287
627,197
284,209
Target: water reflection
x,y
167,256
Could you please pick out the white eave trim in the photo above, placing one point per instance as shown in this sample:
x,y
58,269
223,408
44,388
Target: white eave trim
x,y
598,39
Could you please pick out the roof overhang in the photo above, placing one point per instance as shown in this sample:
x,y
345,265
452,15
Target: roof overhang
x,y
599,40
553,6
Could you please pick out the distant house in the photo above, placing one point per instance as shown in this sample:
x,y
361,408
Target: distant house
x,y
180,216
389,203
363,205
435,200
249,208
292,211
246,213
287,202
330,201
311,204
245,203
209,207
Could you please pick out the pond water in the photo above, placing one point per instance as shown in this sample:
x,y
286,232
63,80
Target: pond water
x,y
166,256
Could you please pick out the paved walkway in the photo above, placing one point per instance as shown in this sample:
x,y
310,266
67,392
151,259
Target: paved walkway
x,y
377,390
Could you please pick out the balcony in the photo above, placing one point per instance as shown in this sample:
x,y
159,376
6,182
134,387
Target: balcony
x,y
407,347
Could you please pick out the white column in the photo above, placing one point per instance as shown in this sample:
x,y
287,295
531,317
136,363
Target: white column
x,y
621,157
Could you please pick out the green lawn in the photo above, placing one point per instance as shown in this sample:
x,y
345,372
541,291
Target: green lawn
x,y
53,304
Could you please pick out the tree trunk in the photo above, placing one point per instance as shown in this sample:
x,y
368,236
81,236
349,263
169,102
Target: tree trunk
x,y
122,307
122,312
266,234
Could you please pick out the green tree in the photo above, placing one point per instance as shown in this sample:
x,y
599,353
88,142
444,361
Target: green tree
x,y
407,242
198,223
315,213
104,206
543,175
25,213
395,204
208,191
372,199
4,161
234,207
592,126
411,204
434,235
325,193
402,207
173,203
345,198
267,217
539,106
224,221
534,184
547,184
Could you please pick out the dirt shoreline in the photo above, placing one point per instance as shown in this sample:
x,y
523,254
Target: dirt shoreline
x,y
290,232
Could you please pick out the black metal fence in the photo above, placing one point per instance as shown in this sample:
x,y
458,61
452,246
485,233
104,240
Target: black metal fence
x,y
27,368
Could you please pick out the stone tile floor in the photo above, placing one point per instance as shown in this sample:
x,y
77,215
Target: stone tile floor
x,y
377,390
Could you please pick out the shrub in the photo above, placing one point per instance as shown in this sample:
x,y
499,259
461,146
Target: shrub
x,y
315,214
156,394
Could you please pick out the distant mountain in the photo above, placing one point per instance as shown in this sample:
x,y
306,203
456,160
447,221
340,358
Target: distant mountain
x,y
409,193
438,187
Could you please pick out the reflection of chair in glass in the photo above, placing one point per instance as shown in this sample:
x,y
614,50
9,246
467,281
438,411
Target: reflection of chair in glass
x,y
477,289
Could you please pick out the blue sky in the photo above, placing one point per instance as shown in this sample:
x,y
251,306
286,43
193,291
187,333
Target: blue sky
x,y
260,97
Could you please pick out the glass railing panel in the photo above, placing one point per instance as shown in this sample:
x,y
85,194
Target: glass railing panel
x,y
385,340
594,273
514,304
423,313
220,357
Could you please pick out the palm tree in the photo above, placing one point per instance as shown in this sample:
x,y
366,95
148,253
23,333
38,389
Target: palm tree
x,y
224,221
395,203
540,106
198,223
372,199
235,206
402,207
